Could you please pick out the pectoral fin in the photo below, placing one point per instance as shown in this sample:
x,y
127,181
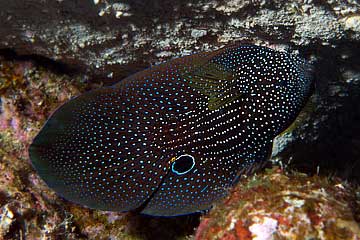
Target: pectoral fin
x,y
216,82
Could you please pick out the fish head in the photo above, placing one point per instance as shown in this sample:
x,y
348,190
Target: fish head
x,y
273,85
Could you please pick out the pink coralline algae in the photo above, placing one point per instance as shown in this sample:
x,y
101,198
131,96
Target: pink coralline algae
x,y
275,205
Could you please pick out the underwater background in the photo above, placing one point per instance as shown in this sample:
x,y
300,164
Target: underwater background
x,y
51,51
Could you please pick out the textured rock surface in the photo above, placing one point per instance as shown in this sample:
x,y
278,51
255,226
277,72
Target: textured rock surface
x,y
96,42
275,205
108,38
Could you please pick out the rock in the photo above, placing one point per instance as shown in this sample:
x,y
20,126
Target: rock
x,y
54,50
195,33
278,205
325,137
7,218
108,39
353,23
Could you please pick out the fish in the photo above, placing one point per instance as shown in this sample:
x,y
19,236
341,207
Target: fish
x,y
174,138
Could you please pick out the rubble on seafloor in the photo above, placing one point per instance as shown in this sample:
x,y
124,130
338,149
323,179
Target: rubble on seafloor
x,y
269,205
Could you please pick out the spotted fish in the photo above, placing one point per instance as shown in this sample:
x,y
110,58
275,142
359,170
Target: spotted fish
x,y
172,139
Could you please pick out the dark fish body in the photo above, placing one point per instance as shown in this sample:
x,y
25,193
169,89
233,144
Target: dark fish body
x,y
172,139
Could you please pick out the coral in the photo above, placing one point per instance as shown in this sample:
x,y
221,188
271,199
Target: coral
x,y
279,205
28,94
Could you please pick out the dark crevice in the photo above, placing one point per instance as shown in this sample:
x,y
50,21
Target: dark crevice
x,y
54,66
163,228
332,144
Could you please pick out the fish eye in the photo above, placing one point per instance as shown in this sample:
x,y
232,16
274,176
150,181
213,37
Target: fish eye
x,y
183,164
